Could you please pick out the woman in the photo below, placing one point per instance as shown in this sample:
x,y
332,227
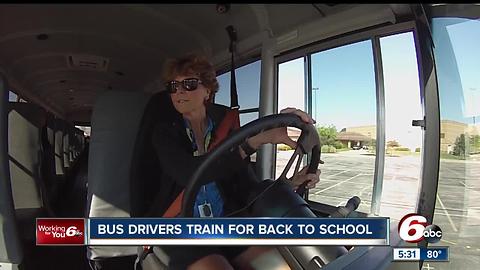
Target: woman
x,y
182,137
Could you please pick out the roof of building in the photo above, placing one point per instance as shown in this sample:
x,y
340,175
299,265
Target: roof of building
x,y
352,136
293,132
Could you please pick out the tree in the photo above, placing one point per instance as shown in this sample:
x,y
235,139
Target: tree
x,y
393,144
372,145
328,135
475,143
459,148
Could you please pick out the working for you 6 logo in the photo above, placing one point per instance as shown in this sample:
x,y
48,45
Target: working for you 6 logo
x,y
57,231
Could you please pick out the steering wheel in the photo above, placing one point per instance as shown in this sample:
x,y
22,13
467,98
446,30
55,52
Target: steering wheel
x,y
307,142
291,204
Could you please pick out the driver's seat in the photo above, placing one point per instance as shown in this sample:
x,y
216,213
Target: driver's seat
x,y
123,168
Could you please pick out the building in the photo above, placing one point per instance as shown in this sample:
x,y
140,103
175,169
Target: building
x,y
353,139
449,131
293,133
369,131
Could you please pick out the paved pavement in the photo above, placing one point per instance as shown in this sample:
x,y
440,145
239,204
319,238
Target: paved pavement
x,y
457,209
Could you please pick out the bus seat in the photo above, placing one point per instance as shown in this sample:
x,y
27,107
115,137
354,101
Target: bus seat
x,y
78,142
121,168
59,168
25,124
48,163
71,142
11,251
66,146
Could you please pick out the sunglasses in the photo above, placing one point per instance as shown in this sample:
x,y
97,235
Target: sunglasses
x,y
189,84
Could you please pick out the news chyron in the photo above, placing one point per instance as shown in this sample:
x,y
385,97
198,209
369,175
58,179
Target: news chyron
x,y
371,231
414,228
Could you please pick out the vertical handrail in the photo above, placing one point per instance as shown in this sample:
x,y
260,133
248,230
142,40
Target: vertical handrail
x,y
380,142
265,170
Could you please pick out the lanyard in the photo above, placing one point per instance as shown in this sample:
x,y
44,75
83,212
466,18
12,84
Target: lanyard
x,y
207,139
207,136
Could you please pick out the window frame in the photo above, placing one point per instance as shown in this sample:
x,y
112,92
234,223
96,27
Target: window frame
x,y
373,34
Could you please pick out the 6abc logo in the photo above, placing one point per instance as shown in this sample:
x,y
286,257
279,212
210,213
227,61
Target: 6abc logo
x,y
414,228
73,231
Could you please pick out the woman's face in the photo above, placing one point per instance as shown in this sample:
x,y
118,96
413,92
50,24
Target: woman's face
x,y
189,101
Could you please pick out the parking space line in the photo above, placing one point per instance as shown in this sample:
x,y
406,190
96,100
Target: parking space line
x,y
467,187
459,216
327,180
363,189
320,191
447,214
338,173
359,193
454,172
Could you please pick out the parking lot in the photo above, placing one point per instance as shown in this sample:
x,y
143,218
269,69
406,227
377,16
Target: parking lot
x,y
457,209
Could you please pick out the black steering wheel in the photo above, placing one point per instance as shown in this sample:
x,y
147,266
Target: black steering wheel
x,y
290,204
307,142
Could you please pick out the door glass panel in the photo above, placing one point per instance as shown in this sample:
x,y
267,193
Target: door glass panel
x,y
402,140
291,93
344,106
457,209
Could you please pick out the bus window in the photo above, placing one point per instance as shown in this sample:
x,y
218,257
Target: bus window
x,y
248,90
402,140
342,97
343,104
12,97
86,130
291,84
291,93
457,209
248,117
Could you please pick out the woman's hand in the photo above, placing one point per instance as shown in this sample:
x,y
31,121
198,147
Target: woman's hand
x,y
305,117
279,135
302,176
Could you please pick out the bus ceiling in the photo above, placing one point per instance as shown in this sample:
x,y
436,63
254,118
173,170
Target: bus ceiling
x,y
63,56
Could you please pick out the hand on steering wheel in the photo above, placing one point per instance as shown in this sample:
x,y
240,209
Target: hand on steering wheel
x,y
308,142
303,176
279,135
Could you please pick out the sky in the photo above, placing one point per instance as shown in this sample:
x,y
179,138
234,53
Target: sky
x,y
345,79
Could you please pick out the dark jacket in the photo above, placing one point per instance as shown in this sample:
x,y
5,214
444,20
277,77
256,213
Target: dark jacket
x,y
177,163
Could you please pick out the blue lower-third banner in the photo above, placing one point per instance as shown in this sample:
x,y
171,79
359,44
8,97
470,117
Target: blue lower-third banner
x,y
238,231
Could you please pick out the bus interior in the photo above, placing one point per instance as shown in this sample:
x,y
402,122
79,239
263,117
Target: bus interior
x,y
394,90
